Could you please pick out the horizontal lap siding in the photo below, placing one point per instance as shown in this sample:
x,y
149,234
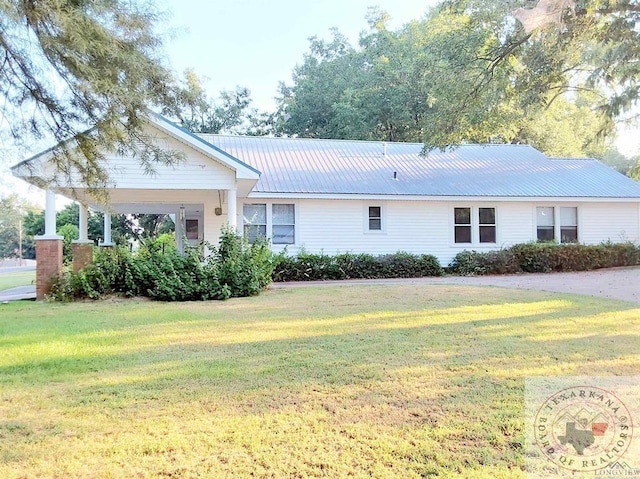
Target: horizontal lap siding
x,y
516,223
196,171
338,226
614,222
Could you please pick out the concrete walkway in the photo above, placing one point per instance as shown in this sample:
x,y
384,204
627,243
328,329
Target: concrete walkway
x,y
18,293
614,283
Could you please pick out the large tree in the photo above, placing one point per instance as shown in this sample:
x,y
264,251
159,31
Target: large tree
x,y
544,50
231,113
417,84
83,73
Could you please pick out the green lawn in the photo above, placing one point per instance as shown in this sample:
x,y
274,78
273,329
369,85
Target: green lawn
x,y
360,381
21,278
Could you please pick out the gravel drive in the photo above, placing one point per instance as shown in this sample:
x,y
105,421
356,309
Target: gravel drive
x,y
615,283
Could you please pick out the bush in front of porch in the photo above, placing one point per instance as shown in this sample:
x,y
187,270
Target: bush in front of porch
x,y
233,269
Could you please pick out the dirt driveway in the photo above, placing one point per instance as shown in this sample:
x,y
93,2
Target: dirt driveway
x,y
616,283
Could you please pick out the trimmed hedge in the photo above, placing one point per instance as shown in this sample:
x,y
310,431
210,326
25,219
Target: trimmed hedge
x,y
316,267
545,258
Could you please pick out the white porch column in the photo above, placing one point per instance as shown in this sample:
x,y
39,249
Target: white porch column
x,y
180,230
232,213
107,230
50,215
83,223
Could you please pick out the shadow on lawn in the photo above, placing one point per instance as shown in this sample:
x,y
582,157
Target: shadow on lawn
x,y
459,381
368,349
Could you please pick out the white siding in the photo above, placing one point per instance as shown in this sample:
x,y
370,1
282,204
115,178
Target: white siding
x,y
614,222
196,171
333,226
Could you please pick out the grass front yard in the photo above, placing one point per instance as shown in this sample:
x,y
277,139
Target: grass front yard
x,y
359,381
19,278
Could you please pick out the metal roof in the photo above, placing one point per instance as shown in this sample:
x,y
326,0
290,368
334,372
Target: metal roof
x,y
310,166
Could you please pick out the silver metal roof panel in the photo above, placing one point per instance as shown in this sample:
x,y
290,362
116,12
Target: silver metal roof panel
x,y
310,166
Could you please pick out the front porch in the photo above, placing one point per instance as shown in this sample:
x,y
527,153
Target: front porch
x,y
200,192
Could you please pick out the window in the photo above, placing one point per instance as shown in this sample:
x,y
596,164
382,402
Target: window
x,y
191,229
283,224
487,225
473,225
462,224
559,224
545,220
375,218
569,225
255,221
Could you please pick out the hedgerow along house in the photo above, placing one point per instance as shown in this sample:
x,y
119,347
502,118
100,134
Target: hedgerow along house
x,y
352,196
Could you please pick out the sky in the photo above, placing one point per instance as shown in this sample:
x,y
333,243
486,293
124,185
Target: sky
x,y
257,43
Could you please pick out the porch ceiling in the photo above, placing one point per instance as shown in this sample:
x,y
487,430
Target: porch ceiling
x,y
130,201
155,208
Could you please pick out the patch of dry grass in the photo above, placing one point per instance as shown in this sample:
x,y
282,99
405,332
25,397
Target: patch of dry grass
x,y
366,381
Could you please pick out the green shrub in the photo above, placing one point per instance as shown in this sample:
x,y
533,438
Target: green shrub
x,y
318,267
159,272
545,258
69,233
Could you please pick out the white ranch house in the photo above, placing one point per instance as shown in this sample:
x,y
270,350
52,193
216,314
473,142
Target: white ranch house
x,y
362,196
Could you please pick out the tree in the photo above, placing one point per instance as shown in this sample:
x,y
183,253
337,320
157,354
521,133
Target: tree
x,y
230,113
412,84
13,210
618,161
123,227
70,65
544,52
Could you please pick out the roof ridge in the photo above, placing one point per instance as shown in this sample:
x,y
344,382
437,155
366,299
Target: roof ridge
x,y
342,140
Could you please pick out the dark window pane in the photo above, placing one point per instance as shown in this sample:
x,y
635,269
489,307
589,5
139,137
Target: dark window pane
x,y
487,216
545,233
253,232
463,234
462,216
191,229
374,212
375,224
283,234
569,234
487,234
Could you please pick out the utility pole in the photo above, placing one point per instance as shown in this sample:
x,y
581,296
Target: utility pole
x,y
20,242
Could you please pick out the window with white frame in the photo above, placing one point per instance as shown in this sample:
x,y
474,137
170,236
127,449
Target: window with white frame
x,y
255,221
283,224
557,224
375,218
545,223
487,225
462,225
473,225
569,224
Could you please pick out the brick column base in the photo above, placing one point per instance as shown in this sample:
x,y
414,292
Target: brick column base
x,y
82,254
48,264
